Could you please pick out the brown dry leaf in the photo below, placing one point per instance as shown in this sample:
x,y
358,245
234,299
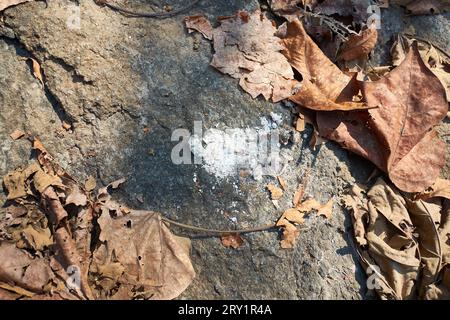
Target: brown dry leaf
x,y
345,8
290,233
16,182
37,238
17,134
294,215
156,265
90,184
359,45
246,48
324,86
232,240
37,72
300,124
326,210
75,195
201,24
19,268
391,135
8,3
282,182
441,188
418,7
309,205
275,192
407,241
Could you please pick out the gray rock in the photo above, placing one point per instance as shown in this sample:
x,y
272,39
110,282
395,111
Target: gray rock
x,y
115,76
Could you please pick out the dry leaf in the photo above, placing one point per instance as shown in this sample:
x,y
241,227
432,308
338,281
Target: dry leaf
x,y
16,182
37,71
232,240
282,182
391,135
246,48
441,188
275,192
359,45
309,205
300,124
324,86
405,241
38,238
157,266
201,24
8,3
326,210
17,134
289,235
418,7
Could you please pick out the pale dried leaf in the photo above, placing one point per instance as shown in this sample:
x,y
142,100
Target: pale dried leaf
x,y
201,24
232,240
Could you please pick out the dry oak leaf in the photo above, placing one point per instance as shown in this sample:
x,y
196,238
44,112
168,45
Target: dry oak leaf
x,y
294,215
275,192
17,183
359,45
289,235
397,136
201,24
324,86
246,48
156,264
232,240
8,3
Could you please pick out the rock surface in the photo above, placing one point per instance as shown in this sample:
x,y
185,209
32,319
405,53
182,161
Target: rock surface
x,y
124,84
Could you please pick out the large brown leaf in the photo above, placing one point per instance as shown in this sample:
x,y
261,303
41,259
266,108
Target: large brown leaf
x,y
397,136
8,3
324,86
246,48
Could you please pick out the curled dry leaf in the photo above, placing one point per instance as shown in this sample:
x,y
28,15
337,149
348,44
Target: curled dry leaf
x,y
326,210
246,48
232,240
201,24
37,71
391,135
275,192
17,182
441,188
359,45
289,235
324,86
8,3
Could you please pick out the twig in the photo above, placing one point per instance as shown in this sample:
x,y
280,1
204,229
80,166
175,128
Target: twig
x,y
200,229
159,15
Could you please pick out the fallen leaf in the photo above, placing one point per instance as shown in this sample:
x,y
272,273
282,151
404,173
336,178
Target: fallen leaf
x,y
37,71
359,45
201,24
309,205
391,136
90,184
298,195
37,238
16,182
294,215
300,124
157,266
289,235
345,8
418,7
275,192
8,3
441,188
246,48
232,240
324,86
282,182
17,134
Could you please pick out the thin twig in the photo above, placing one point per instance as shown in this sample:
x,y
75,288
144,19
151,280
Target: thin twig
x,y
200,229
159,15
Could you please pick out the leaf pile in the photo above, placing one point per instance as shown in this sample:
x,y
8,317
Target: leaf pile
x,y
404,243
389,120
58,242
